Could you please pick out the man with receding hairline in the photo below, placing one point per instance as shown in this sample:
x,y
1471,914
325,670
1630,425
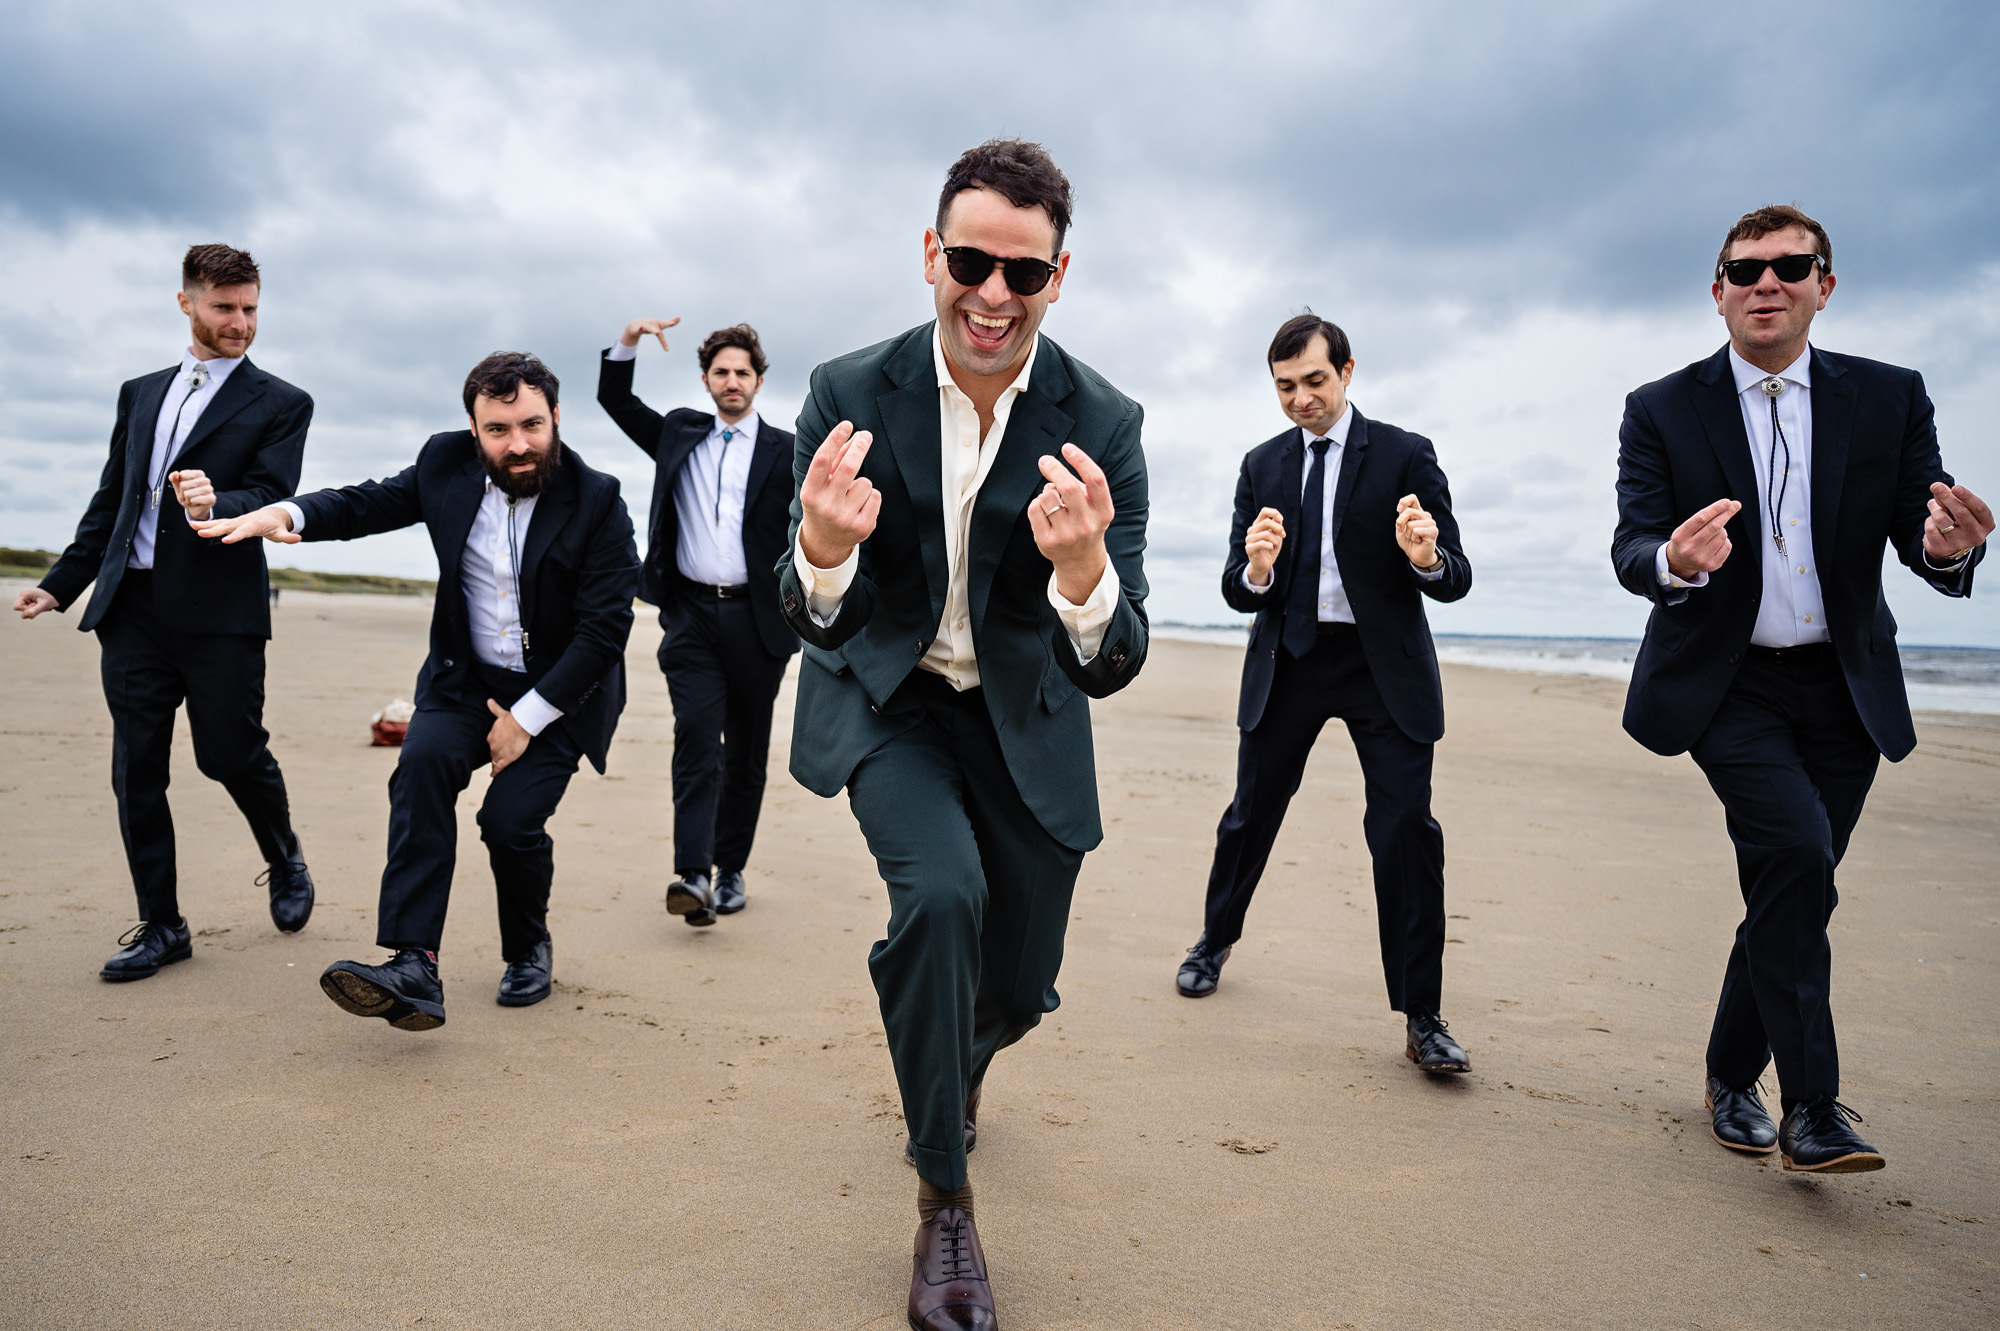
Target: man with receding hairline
x,y
183,619
1757,492
966,571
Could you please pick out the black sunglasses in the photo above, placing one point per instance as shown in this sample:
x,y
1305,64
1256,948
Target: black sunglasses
x,y
1791,268
970,267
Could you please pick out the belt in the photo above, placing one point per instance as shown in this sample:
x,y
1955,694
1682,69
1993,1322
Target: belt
x,y
1333,628
709,591
1810,653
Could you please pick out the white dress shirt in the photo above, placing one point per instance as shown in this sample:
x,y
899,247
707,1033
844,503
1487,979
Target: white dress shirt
x,y
1792,611
709,497
490,572
179,410
966,459
1333,604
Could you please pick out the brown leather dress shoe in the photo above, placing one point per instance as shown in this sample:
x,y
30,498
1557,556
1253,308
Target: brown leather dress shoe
x,y
948,1286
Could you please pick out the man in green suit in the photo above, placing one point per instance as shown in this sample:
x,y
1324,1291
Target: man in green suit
x,y
965,560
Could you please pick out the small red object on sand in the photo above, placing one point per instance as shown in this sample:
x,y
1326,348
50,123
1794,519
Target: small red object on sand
x,y
389,725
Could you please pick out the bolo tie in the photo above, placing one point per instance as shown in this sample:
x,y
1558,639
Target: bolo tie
x,y
196,378
1772,387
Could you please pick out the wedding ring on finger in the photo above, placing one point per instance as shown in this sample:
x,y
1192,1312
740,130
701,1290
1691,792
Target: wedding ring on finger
x,y
1048,512
1947,529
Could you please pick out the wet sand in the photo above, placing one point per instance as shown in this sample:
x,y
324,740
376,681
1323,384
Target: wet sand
x,y
700,1128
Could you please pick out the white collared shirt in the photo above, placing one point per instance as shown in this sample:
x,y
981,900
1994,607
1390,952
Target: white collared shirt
x,y
179,410
1792,610
1332,602
965,461
490,572
709,497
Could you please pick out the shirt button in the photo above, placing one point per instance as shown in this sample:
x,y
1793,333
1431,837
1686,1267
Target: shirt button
x,y
1808,619
1802,568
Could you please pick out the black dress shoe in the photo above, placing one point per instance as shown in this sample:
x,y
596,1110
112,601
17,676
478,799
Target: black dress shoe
x,y
528,980
291,895
1429,1045
147,947
1816,1139
949,1290
971,1127
729,894
1201,971
1738,1119
404,991
690,897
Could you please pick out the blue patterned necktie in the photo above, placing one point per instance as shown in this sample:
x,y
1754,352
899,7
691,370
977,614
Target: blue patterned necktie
x,y
1302,598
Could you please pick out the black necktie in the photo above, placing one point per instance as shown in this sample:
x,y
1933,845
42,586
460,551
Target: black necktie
x,y
1302,600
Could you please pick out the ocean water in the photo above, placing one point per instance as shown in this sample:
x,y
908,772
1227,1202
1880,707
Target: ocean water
x,y
1942,679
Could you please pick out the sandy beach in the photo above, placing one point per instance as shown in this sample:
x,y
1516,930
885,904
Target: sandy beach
x,y
701,1129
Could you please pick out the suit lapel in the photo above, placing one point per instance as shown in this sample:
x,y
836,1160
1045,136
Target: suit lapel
x,y
1722,419
1036,426
1833,399
1350,466
910,423
244,385
552,512
762,460
675,452
1291,496
142,426
458,511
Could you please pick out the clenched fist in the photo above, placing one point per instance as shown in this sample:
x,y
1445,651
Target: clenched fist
x,y
1700,545
194,491
1262,543
1417,533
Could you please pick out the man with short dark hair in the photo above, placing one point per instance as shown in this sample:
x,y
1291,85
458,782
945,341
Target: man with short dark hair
x,y
1343,525
958,588
1775,665
180,619
536,574
722,494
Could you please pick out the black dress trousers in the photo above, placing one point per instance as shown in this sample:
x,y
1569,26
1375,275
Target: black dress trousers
x,y
1791,761
1405,842
440,752
723,684
149,668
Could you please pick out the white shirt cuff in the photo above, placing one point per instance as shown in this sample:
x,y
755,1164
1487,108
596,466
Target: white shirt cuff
x,y
1952,565
298,514
1666,578
826,587
619,351
1086,623
532,712
1433,574
1260,589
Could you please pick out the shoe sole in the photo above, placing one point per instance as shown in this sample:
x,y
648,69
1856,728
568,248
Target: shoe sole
x,y
1724,1141
364,998
1452,1068
700,919
684,900
123,977
524,1000
1185,992
1857,1162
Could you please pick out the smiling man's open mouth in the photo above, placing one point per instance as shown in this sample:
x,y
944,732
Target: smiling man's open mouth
x,y
987,331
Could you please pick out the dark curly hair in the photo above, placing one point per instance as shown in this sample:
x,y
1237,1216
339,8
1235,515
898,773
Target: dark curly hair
x,y
501,375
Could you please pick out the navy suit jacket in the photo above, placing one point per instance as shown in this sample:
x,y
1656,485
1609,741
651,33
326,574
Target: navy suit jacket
x,y
767,501
579,573
1874,455
1028,668
1378,466
251,440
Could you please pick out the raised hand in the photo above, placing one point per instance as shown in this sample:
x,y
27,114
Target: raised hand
x,y
1417,532
194,491
840,505
1959,521
639,328
1700,544
506,741
273,524
1069,518
32,602
1262,543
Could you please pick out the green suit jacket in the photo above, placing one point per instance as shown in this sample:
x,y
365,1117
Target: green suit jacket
x,y
1028,668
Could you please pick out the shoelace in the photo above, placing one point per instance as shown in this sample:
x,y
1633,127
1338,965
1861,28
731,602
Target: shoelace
x,y
957,1251
135,933
1826,1110
292,871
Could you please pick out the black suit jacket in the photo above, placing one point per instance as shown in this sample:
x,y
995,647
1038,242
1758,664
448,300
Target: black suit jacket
x,y
1378,466
251,440
767,501
579,573
1029,671
1874,455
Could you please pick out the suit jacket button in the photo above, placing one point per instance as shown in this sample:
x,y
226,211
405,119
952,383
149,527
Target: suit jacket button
x,y
875,708
448,663
920,647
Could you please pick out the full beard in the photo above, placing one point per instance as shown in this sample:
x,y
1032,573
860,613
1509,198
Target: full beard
x,y
526,485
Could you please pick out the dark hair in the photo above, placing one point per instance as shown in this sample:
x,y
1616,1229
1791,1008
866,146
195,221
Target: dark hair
x,y
1021,172
1775,217
501,376
217,266
1296,334
742,336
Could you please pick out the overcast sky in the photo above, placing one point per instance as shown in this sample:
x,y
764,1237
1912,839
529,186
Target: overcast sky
x,y
1513,210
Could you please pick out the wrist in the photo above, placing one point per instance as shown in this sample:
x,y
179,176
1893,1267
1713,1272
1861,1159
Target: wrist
x,y
628,339
823,557
1075,582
